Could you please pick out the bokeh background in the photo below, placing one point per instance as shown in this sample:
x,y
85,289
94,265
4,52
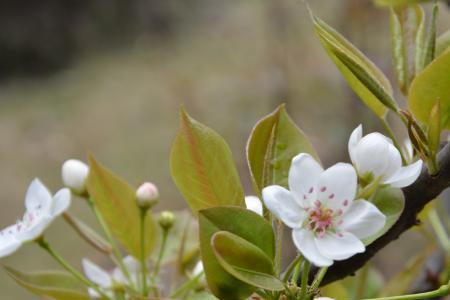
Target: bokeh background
x,y
108,76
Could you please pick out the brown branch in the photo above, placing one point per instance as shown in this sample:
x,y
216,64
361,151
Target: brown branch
x,y
417,195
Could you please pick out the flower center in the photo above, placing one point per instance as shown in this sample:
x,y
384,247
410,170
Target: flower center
x,y
321,219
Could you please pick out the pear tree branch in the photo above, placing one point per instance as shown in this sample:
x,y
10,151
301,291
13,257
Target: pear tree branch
x,y
425,189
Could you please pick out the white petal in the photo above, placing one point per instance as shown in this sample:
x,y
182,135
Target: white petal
x,y
93,294
339,246
38,196
254,204
8,244
283,205
132,264
354,139
395,162
363,219
96,274
35,229
337,186
61,202
303,176
405,175
198,269
304,241
371,155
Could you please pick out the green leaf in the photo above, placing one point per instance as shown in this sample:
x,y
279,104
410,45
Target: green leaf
x,y
245,261
202,167
426,51
50,284
115,200
366,80
443,43
274,141
243,223
431,85
399,18
434,129
201,296
336,289
391,202
419,49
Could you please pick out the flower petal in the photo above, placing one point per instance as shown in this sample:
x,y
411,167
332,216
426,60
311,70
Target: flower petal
x,y
96,274
339,246
395,161
303,176
354,139
38,196
372,155
337,186
362,219
405,175
35,229
254,204
8,242
283,205
61,202
304,241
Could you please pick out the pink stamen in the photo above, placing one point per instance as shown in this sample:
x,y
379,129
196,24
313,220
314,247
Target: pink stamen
x,y
340,234
331,196
323,189
311,189
317,203
339,212
345,202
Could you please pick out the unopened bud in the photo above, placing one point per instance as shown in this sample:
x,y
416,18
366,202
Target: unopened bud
x,y
147,195
166,220
74,175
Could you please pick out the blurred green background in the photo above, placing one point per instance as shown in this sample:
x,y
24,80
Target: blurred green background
x,y
107,77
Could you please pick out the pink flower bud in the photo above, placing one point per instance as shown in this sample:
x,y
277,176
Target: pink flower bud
x,y
147,195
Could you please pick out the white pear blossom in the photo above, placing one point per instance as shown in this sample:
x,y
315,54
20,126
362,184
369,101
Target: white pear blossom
x,y
41,209
74,174
254,204
374,154
328,224
107,280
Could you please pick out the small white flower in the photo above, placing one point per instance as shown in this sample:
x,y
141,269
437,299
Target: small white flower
x,y
106,280
254,204
147,195
41,210
375,154
74,174
327,223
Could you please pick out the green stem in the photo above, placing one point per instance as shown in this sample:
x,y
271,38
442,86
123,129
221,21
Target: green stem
x,y
290,268
439,229
305,277
187,286
158,261
143,260
442,291
394,139
319,277
46,246
115,249
279,246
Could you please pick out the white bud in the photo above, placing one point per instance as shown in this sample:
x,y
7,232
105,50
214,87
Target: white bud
x,y
74,175
147,195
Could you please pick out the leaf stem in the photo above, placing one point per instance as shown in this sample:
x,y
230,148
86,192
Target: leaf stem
x,y
319,277
143,215
159,259
444,290
188,285
394,139
279,246
115,249
46,246
305,277
290,268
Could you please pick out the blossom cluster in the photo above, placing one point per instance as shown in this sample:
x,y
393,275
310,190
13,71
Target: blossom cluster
x,y
328,219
